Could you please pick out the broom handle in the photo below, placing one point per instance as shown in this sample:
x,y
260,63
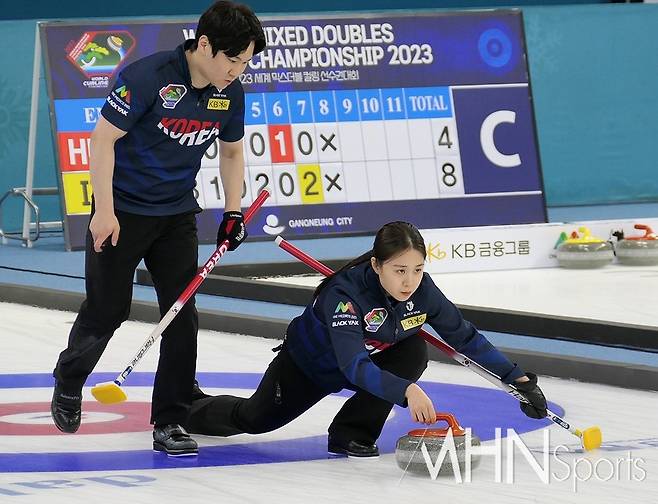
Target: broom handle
x,y
188,292
433,340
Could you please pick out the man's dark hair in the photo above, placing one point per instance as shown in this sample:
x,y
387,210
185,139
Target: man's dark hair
x,y
230,28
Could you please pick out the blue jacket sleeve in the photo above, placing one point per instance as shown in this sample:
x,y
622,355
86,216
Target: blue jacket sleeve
x,y
345,328
447,320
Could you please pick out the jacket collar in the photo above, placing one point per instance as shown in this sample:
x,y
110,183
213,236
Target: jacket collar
x,y
182,61
185,68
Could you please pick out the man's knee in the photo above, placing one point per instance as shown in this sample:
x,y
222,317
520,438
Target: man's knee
x,y
101,320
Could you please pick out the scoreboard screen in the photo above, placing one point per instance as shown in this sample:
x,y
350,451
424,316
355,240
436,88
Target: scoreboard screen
x,y
350,122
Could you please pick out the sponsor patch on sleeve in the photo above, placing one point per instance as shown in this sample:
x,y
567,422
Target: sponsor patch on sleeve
x,y
344,315
345,308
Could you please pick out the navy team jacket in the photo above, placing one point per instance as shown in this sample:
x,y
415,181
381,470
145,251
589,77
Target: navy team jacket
x,y
354,317
170,124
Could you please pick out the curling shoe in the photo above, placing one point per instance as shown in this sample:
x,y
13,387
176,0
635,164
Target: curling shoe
x,y
352,448
174,441
66,409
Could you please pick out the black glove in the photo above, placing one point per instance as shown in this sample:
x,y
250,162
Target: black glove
x,y
537,406
232,229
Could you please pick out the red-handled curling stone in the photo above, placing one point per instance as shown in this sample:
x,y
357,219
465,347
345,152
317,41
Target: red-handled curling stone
x,y
638,250
409,454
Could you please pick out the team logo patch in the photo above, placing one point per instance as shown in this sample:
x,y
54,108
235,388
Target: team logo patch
x,y
410,305
415,321
171,94
345,308
218,104
375,318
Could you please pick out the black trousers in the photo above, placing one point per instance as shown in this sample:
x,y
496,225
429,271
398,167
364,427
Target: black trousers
x,y
285,392
169,247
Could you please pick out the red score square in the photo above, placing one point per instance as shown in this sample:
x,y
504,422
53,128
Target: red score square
x,y
281,143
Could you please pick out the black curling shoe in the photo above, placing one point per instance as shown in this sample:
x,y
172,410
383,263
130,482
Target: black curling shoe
x,y
352,449
174,441
66,409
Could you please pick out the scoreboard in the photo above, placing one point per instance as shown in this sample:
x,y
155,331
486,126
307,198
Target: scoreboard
x,y
315,147
350,122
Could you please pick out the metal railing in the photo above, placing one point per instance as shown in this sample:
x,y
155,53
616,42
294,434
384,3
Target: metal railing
x,y
31,228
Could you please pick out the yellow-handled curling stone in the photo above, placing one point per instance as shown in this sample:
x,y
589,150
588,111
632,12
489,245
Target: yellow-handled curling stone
x,y
582,251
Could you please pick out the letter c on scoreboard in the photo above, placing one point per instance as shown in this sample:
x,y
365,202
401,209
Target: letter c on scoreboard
x,y
489,148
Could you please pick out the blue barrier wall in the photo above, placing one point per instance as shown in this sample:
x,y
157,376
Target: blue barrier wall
x,y
594,81
16,61
595,84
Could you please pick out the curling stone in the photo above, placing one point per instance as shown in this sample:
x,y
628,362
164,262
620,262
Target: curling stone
x,y
409,456
639,250
584,251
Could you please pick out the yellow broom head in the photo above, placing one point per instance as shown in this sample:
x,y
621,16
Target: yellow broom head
x,y
108,393
591,438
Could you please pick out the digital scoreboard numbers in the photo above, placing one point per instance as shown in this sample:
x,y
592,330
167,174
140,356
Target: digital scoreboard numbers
x,y
350,122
